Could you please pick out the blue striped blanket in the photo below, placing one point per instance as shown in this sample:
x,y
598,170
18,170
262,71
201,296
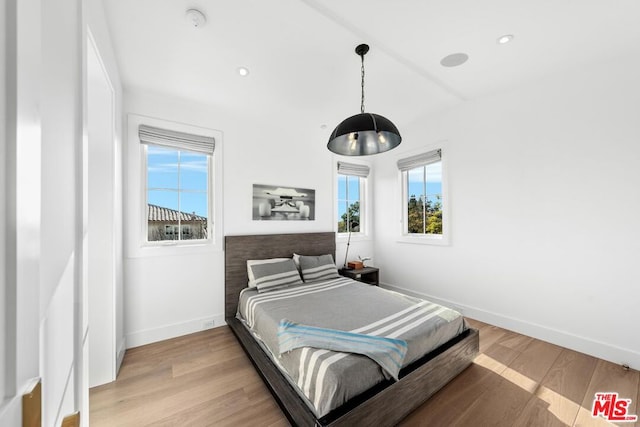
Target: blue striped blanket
x,y
389,353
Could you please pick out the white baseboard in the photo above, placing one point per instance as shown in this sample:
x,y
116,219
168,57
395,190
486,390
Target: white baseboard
x,y
612,353
165,332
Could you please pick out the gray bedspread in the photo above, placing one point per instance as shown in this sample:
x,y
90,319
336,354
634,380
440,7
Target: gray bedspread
x,y
327,378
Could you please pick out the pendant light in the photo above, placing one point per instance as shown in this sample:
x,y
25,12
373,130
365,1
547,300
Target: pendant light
x,y
364,133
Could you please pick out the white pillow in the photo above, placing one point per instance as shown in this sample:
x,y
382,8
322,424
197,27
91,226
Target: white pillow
x,y
250,262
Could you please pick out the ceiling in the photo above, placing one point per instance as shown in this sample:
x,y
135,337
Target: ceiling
x,y
301,58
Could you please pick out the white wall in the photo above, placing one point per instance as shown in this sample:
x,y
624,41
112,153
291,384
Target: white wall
x,y
21,146
61,113
545,235
173,294
21,54
44,131
3,223
43,245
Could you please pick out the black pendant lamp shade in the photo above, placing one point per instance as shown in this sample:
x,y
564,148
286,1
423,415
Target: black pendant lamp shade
x,y
364,133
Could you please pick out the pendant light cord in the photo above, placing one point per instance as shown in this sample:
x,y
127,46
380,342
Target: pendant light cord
x,y
365,133
362,85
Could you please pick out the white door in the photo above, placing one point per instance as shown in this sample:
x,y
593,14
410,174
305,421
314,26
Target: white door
x,y
101,235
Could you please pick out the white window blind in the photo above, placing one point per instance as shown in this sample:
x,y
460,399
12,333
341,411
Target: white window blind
x,y
418,160
178,140
353,169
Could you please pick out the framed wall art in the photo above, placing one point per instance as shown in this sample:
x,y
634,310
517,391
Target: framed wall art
x,y
278,203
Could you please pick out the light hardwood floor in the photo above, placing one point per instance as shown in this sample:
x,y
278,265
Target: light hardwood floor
x,y
205,379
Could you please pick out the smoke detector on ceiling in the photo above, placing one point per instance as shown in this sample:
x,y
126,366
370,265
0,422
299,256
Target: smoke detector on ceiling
x,y
196,18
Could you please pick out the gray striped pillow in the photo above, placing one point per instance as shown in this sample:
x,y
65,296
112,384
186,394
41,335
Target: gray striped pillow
x,y
275,275
318,268
251,262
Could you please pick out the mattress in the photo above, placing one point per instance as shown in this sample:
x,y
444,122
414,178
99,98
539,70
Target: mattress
x,y
326,379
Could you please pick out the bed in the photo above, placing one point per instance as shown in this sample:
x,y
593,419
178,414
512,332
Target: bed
x,y
386,402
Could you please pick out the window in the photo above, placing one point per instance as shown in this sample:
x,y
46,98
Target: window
x,y
423,194
348,203
351,191
178,189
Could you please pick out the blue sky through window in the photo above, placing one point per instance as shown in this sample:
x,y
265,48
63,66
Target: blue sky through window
x,y
353,184
177,180
434,182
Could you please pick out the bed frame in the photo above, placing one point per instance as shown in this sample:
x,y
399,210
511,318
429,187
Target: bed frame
x,y
385,404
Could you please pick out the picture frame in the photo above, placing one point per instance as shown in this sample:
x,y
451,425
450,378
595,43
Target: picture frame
x,y
283,203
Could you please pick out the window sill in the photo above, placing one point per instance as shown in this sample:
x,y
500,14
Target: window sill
x,y
163,243
436,240
355,237
170,249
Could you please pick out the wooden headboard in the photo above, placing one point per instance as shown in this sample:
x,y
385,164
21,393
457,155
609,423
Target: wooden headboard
x,y
238,249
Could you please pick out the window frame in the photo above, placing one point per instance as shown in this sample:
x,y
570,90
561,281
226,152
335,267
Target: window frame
x,y
210,201
361,189
427,238
365,198
135,214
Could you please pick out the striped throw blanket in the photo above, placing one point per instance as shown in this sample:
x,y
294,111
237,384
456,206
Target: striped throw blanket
x,y
389,353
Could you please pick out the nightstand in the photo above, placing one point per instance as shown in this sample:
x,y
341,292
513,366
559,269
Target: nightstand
x,y
365,275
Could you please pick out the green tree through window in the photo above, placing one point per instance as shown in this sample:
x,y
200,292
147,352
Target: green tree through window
x,y
350,220
424,218
424,201
349,204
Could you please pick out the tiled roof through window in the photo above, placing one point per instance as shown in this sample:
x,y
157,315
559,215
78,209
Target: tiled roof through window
x,y
159,213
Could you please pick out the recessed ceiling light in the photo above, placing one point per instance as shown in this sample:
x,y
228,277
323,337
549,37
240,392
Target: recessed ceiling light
x,y
243,71
505,39
454,59
196,18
